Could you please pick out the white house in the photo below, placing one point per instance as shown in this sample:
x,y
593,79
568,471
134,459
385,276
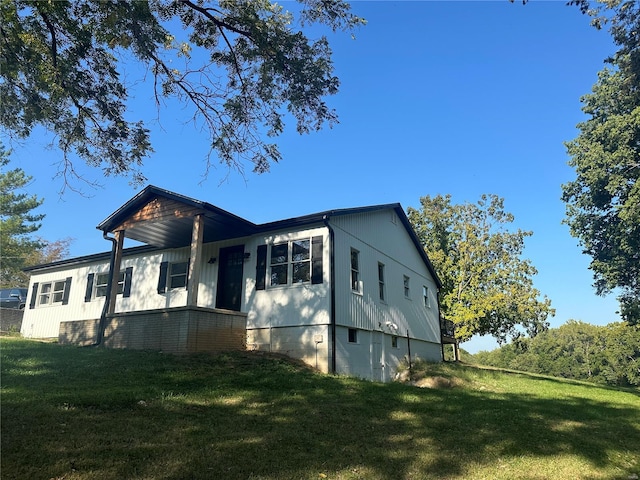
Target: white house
x,y
348,291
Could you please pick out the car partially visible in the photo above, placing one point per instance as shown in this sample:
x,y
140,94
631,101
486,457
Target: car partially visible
x,y
13,298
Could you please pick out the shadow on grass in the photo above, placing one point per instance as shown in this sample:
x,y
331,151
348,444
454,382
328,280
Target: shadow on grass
x,y
92,413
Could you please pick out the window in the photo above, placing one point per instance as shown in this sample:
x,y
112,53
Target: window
x,y
353,335
178,275
301,261
297,261
172,275
355,270
101,284
394,341
97,284
381,281
425,296
51,293
279,264
407,290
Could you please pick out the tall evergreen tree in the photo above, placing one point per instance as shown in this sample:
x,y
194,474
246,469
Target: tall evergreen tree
x,y
17,223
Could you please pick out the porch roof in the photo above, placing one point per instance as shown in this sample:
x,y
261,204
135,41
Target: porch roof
x,y
164,219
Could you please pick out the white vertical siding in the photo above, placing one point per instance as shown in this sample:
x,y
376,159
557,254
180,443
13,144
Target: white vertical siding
x,y
381,240
291,305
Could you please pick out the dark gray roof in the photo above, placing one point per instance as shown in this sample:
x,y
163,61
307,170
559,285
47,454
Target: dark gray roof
x,y
219,225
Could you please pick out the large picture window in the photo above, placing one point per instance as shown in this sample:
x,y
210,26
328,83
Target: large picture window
x,y
290,263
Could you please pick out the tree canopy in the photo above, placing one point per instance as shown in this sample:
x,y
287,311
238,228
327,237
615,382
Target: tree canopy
x,y
487,286
240,67
607,354
603,201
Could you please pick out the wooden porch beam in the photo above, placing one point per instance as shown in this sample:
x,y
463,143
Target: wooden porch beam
x,y
196,260
116,272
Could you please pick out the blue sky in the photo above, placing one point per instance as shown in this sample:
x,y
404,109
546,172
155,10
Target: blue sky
x,y
459,98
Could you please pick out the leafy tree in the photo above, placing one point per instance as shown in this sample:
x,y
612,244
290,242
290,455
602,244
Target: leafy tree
x,y
622,348
17,222
603,202
47,252
241,69
602,354
487,286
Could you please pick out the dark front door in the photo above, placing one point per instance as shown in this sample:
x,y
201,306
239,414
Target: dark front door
x,y
229,293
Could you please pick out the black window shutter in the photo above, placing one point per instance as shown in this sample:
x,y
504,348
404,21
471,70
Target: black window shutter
x,y
162,281
316,260
89,290
128,273
67,290
261,267
34,295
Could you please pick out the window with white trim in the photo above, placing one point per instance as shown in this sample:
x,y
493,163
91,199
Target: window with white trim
x,y
394,341
178,274
97,284
279,264
102,279
301,261
51,293
407,289
172,276
355,270
425,296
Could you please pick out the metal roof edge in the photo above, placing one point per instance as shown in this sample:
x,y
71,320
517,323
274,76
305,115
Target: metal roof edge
x,y
320,216
127,252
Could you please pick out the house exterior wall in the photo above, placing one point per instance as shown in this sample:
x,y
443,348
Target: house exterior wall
x,y
379,237
375,357
293,319
311,343
374,235
292,304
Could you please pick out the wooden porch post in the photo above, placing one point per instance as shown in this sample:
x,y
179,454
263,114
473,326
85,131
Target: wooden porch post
x,y
116,272
196,260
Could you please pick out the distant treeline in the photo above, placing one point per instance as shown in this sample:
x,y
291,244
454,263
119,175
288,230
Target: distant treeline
x,y
607,354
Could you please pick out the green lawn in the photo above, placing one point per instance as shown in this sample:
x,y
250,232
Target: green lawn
x,y
87,413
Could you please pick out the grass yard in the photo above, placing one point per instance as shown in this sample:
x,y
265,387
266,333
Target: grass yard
x,y
86,413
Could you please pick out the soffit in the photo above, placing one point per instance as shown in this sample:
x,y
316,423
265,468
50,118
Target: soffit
x,y
164,219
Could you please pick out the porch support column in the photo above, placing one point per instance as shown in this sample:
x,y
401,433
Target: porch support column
x,y
196,260
115,275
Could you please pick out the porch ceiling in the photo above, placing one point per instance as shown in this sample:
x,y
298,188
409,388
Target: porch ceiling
x,y
164,219
176,232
